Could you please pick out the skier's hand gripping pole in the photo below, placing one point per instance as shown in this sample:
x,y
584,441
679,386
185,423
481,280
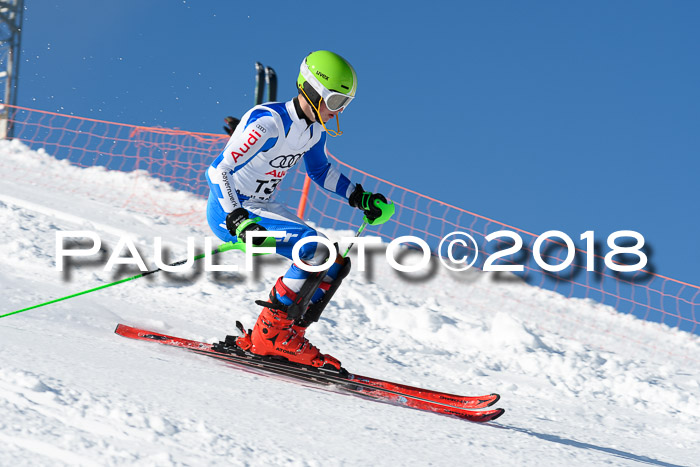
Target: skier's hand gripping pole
x,y
375,206
238,223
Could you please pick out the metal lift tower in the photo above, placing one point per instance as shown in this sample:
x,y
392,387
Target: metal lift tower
x,y
11,14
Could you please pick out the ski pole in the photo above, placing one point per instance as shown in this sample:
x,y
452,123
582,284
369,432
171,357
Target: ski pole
x,y
386,210
220,249
359,233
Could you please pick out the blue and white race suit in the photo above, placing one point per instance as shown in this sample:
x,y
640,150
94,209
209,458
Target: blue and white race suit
x,y
269,141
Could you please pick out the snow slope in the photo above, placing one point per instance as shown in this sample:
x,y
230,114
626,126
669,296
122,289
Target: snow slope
x,y
582,384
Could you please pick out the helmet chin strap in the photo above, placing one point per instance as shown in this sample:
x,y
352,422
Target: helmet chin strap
x,y
320,120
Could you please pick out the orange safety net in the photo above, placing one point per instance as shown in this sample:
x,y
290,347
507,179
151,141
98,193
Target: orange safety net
x,y
179,158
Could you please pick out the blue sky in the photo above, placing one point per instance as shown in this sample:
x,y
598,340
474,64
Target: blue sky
x,y
544,115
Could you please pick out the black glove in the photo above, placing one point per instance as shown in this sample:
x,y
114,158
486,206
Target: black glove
x,y
238,224
231,124
364,201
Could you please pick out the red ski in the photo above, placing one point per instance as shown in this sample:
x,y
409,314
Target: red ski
x,y
464,402
417,398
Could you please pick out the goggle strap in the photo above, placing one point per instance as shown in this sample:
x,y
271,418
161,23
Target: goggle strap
x,y
320,120
331,132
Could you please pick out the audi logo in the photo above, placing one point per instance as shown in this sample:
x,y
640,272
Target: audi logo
x,y
285,162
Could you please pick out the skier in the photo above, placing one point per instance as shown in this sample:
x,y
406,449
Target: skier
x,y
269,140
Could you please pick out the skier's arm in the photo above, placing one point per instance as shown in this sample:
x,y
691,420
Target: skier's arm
x,y
375,206
323,173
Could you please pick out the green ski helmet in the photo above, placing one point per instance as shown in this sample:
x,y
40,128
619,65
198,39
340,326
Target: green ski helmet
x,y
328,76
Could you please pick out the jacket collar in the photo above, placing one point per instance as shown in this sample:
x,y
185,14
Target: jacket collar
x,y
300,113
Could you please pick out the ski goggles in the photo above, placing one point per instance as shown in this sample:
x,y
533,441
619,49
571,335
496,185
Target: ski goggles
x,y
334,100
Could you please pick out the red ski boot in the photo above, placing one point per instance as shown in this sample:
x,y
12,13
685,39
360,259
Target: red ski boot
x,y
276,334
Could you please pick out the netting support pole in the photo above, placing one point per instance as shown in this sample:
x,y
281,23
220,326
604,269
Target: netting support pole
x,y
304,195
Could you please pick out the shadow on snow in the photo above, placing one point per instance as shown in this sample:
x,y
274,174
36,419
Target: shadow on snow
x,y
588,446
